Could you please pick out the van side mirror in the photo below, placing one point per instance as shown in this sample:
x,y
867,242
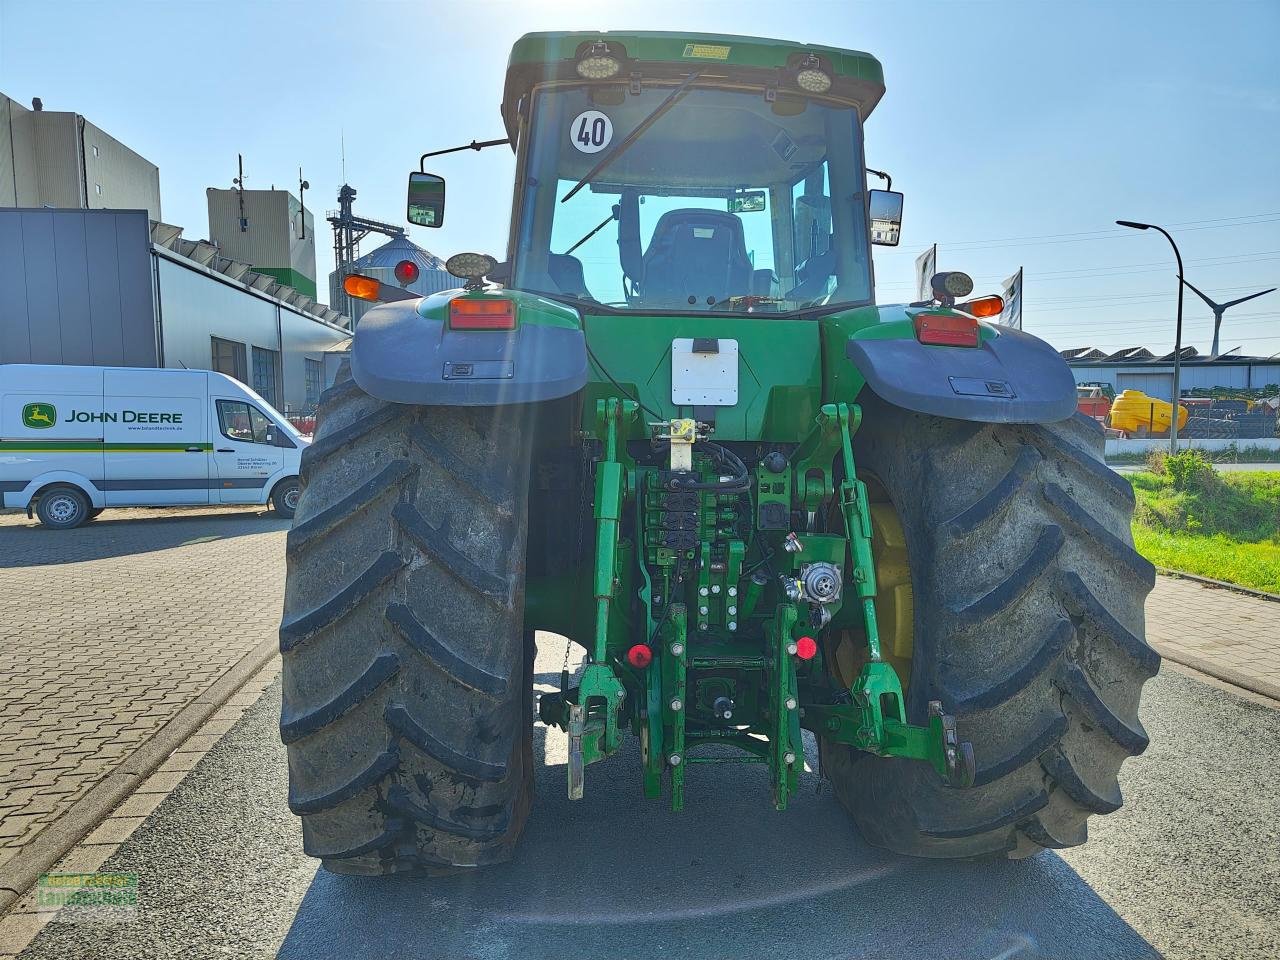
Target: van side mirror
x,y
886,217
426,199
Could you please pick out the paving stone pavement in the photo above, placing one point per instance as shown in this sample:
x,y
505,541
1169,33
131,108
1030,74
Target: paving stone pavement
x,y
1232,635
108,631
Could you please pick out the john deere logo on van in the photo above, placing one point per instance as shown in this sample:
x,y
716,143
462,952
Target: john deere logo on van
x,y
39,416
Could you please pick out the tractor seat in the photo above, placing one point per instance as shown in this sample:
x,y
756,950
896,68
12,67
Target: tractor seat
x,y
695,253
566,274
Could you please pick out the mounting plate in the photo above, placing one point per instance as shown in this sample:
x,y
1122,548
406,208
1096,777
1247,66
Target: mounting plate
x,y
704,377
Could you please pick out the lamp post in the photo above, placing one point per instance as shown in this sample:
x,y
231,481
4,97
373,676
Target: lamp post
x,y
1177,343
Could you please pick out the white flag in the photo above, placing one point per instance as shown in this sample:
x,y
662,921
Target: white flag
x,y
926,267
1011,316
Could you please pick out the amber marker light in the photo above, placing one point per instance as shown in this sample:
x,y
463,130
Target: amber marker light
x,y
360,287
983,307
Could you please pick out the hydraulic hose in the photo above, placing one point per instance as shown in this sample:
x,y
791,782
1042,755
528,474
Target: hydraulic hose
x,y
723,457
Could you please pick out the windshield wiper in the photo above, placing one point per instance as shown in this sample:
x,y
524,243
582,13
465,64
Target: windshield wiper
x,y
634,135
594,230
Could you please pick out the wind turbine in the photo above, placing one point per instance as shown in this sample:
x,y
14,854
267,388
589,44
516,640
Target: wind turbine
x,y
1219,309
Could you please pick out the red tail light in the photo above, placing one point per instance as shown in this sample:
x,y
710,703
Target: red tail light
x,y
482,314
406,272
945,329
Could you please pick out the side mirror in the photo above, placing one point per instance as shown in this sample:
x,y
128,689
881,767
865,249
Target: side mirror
x,y
426,200
886,217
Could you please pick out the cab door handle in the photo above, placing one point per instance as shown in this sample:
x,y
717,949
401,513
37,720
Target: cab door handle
x,y
225,450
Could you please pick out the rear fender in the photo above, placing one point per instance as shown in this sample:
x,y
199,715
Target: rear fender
x,y
405,352
1010,377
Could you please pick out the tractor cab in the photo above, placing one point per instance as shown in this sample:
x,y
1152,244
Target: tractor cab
x,y
662,176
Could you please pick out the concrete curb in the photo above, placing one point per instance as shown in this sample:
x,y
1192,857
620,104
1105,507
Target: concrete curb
x,y
1263,688
52,844
1221,584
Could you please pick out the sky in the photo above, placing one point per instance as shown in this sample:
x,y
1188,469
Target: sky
x,y
1019,131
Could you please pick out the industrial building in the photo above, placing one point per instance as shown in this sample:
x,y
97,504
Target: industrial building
x,y
112,288
91,274
51,158
270,230
1137,368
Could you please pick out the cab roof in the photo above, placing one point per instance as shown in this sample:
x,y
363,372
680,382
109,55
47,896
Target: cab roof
x,y
542,57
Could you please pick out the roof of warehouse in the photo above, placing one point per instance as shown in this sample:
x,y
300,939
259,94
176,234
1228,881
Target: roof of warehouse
x,y
1140,356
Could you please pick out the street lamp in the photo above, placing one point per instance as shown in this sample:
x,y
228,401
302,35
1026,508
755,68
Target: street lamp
x,y
1177,344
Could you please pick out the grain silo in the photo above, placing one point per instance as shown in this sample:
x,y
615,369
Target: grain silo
x,y
381,264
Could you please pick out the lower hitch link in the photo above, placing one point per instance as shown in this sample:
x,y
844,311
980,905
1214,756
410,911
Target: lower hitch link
x,y
958,761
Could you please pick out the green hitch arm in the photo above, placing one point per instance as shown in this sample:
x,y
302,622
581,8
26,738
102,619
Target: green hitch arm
x,y
594,732
785,730
937,744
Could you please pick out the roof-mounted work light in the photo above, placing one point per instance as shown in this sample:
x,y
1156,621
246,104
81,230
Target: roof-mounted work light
x,y
811,77
951,284
598,63
471,267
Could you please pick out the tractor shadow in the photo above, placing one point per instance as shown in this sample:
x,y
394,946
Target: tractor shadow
x,y
614,875
128,531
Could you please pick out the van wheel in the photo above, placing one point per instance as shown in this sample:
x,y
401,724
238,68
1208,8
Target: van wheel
x,y
62,508
284,498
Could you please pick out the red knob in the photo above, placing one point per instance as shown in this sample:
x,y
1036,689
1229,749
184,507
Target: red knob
x,y
640,656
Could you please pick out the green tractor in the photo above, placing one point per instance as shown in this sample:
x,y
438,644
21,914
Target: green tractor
x,y
674,427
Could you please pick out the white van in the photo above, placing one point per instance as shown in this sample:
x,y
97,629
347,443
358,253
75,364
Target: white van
x,y
74,440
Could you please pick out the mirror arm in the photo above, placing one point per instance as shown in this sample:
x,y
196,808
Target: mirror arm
x,y
888,180
473,145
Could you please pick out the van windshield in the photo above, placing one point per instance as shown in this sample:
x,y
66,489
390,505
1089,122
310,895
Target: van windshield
x,y
728,202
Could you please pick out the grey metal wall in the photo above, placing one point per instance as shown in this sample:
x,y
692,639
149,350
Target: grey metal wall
x,y
1217,374
76,287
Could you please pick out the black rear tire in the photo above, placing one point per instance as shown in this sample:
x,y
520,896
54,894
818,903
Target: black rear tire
x,y
284,498
406,713
1028,599
63,508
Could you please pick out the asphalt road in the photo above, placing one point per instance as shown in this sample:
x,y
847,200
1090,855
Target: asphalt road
x,y
1190,867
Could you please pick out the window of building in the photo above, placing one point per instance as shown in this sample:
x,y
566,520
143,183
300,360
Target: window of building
x,y
264,374
242,421
95,149
229,358
98,188
314,374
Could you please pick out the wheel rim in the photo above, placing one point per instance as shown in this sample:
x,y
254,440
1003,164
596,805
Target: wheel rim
x,y
895,608
62,508
290,499
895,604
